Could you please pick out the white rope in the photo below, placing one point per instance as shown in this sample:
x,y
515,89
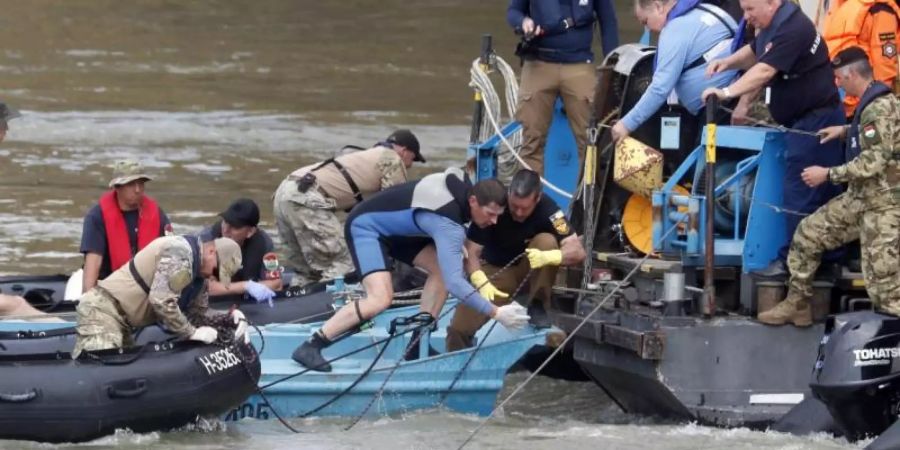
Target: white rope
x,y
482,83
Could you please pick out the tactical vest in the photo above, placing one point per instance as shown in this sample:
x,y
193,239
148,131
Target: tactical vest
x,y
875,90
130,284
360,167
443,193
881,190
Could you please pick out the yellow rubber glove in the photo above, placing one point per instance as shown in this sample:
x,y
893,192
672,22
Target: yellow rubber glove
x,y
485,288
540,258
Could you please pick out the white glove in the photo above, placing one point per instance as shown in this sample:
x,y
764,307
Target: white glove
x,y
207,335
241,330
512,316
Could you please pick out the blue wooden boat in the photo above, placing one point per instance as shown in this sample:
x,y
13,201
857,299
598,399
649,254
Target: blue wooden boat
x,y
391,386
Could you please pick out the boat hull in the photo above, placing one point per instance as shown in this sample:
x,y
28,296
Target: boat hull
x,y
52,398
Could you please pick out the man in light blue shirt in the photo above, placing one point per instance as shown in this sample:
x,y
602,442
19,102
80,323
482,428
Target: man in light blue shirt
x,y
690,35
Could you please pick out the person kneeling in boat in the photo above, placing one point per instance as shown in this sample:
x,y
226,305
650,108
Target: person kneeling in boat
x,y
307,202
165,283
533,226
870,208
420,223
240,224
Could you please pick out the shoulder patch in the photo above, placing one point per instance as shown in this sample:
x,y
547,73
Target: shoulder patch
x,y
889,49
560,224
869,131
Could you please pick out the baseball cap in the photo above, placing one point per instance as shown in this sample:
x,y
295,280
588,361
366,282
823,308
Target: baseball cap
x,y
7,113
241,213
848,56
228,254
407,139
126,171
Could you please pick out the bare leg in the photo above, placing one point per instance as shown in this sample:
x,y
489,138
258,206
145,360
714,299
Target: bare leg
x,y
17,306
379,292
434,293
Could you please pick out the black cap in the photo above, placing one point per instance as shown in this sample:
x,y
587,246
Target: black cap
x,y
243,212
405,138
7,113
848,56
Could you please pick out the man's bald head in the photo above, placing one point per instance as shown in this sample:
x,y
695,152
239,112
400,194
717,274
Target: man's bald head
x,y
759,13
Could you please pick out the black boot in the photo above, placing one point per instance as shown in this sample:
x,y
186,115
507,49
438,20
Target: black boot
x,y
775,270
539,316
309,354
412,349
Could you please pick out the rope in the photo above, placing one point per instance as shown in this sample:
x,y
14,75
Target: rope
x,y
414,342
481,342
481,82
562,345
763,123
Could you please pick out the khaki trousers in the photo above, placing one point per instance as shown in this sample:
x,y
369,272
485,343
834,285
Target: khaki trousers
x,y
542,83
466,321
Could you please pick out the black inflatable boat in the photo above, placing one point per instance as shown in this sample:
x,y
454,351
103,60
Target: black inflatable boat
x,y
49,397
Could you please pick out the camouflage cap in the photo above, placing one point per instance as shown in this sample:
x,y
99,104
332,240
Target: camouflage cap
x,y
228,253
126,171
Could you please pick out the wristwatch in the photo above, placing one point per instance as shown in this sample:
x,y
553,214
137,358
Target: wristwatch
x,y
726,92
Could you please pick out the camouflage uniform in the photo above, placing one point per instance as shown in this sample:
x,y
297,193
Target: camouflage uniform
x,y
108,313
869,210
308,223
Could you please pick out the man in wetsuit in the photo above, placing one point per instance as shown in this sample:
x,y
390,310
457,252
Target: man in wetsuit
x,y
420,223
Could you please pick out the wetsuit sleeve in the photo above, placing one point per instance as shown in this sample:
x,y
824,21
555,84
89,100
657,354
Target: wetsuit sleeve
x,y
449,238
392,170
173,274
876,131
673,48
609,26
93,233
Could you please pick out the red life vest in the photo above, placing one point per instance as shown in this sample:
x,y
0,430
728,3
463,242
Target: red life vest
x,y
117,241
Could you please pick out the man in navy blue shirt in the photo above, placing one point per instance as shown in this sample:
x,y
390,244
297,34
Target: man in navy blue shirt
x,y
789,61
240,223
558,61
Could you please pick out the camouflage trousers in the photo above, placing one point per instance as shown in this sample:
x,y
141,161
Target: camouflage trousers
x,y
844,219
100,324
311,234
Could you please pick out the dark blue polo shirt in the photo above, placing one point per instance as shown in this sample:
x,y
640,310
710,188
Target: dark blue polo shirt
x,y
252,252
805,80
508,238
